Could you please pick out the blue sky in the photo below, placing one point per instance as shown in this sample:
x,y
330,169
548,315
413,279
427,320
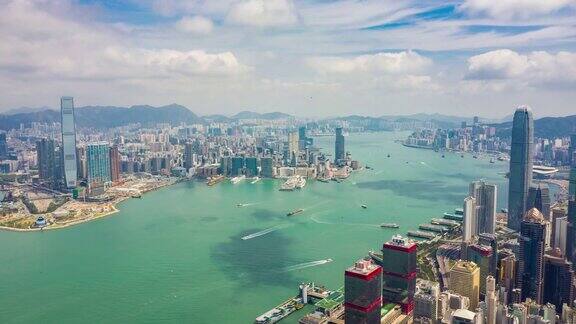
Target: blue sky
x,y
311,58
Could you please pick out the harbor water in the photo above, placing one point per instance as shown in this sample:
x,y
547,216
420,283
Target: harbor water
x,y
227,253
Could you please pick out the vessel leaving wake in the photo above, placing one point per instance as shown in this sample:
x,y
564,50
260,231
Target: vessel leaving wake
x,y
307,265
263,232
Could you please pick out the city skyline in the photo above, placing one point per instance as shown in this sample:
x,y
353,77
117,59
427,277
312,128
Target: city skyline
x,y
309,58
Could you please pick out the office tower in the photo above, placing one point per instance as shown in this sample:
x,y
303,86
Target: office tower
x,y
558,280
468,225
572,149
251,166
188,156
237,166
486,201
45,154
226,165
3,146
521,154
561,233
487,239
508,275
557,213
339,150
491,300
539,198
426,300
293,152
400,269
302,138
114,164
68,141
571,231
81,163
482,256
98,158
463,316
363,293
531,256
465,280
267,167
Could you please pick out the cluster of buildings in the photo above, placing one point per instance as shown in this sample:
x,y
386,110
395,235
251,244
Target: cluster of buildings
x,y
514,266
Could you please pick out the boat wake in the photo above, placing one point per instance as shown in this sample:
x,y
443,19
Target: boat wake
x,y
263,232
307,265
317,221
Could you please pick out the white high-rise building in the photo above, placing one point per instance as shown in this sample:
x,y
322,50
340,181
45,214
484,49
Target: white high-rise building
x,y
486,201
469,223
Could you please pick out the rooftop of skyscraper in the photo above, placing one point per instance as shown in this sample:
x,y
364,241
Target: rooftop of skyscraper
x,y
363,267
534,216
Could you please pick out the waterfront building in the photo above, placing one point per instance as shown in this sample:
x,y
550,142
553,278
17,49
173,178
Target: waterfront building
x,y
400,270
226,165
339,149
68,142
267,167
293,151
237,166
469,219
98,157
426,301
558,280
251,164
531,256
521,154
465,280
188,156
45,156
363,293
81,164
486,202
114,164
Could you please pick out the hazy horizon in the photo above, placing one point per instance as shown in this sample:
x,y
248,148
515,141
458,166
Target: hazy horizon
x,y
306,58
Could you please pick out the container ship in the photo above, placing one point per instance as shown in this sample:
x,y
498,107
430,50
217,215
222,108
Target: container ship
x,y
214,180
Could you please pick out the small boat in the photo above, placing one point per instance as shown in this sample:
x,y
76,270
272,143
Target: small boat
x,y
462,155
389,225
240,205
492,160
388,155
294,212
443,156
475,156
368,168
364,206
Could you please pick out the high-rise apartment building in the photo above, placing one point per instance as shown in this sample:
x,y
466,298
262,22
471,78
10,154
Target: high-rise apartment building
x,y
98,160
399,272
363,293
521,154
339,149
465,280
68,141
531,256
486,204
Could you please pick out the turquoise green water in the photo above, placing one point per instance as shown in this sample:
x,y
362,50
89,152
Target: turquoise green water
x,y
176,254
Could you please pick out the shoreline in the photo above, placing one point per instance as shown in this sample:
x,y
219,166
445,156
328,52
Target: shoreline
x,y
113,206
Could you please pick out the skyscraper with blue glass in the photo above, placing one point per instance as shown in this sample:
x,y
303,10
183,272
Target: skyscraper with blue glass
x,y
98,159
68,141
521,153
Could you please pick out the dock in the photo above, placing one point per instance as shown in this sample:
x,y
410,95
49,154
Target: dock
x,y
421,234
433,228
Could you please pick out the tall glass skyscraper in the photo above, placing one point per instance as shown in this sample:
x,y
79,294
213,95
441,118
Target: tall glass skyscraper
x,y
521,154
68,141
339,150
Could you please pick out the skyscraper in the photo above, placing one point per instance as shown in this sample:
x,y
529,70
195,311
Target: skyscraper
x,y
571,231
426,300
485,195
293,151
98,158
469,223
531,258
45,154
68,141
188,156
339,150
465,280
559,276
521,153
114,164
363,293
400,269
3,146
539,198
267,167
572,149
491,300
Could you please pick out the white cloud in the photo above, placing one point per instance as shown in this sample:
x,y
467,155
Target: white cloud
x,y
386,62
195,25
510,9
533,68
262,13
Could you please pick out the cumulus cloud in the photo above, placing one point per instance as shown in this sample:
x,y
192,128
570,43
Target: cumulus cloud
x,y
509,9
195,25
533,68
262,13
404,62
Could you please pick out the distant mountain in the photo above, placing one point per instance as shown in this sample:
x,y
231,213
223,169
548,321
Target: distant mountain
x,y
108,116
547,127
21,110
217,118
255,115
